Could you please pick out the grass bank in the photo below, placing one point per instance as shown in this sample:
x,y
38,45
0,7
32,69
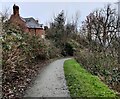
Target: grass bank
x,y
83,84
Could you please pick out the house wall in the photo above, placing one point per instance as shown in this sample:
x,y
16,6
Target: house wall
x,y
39,32
16,20
19,22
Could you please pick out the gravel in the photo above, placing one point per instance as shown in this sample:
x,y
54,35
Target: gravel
x,y
50,82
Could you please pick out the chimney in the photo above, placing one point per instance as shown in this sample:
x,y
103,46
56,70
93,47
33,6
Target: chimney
x,y
16,10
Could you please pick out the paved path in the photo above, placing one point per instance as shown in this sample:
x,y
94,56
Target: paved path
x,y
50,82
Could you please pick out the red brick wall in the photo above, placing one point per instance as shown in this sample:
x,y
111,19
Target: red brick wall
x,y
16,20
37,31
40,32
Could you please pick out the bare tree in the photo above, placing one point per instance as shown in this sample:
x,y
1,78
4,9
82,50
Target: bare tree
x,y
101,26
4,15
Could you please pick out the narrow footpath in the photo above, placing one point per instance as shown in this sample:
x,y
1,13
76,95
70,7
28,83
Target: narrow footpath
x,y
50,82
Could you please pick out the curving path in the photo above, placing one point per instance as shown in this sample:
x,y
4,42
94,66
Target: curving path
x,y
50,82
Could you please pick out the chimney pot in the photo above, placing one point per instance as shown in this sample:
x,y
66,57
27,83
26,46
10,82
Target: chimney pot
x,y
16,10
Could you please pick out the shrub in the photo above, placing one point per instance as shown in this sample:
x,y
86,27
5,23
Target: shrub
x,y
20,51
69,47
106,67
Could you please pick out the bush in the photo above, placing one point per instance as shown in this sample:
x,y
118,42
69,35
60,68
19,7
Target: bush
x,y
106,67
20,51
52,50
69,47
68,50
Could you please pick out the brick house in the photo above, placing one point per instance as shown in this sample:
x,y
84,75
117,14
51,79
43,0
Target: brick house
x,y
29,25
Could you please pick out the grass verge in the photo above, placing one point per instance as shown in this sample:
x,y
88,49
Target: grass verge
x,y
83,84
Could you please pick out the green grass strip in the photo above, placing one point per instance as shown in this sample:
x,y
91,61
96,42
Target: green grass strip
x,y
83,84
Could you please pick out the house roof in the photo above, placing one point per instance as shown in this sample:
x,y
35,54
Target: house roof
x,y
32,23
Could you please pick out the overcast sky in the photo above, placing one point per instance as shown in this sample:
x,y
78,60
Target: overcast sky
x,y
44,11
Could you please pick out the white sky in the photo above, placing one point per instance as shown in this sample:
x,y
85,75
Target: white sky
x,y
44,11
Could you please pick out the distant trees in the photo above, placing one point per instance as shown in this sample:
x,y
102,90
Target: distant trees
x,y
60,32
56,29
